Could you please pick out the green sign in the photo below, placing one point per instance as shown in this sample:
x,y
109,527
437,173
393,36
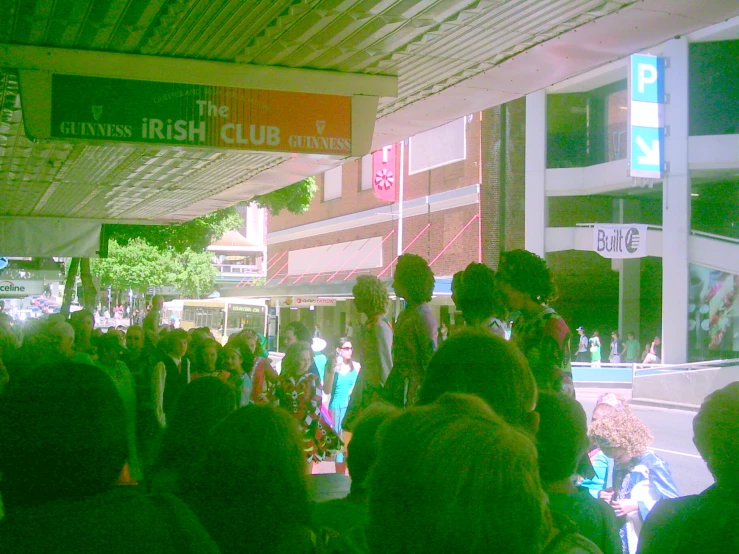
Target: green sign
x,y
120,110
250,309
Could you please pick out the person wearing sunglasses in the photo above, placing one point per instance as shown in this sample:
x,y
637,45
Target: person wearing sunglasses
x,y
339,387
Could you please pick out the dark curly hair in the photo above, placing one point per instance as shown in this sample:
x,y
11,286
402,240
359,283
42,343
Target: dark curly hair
x,y
477,296
414,272
371,294
528,273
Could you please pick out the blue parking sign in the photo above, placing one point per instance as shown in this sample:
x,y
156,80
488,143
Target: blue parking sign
x,y
647,78
647,152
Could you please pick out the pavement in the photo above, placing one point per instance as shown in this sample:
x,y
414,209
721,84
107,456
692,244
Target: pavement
x,y
673,438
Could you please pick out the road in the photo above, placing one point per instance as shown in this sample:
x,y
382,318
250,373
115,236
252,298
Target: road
x,y
673,440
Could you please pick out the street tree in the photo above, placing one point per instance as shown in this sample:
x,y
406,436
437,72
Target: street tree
x,y
136,265
195,234
197,275
295,198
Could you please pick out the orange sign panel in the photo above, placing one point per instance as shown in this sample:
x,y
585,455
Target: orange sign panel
x,y
94,108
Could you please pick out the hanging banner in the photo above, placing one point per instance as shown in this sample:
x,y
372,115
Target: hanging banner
x,y
620,241
383,173
124,110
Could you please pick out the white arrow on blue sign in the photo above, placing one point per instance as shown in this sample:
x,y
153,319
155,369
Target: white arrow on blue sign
x,y
647,146
3,263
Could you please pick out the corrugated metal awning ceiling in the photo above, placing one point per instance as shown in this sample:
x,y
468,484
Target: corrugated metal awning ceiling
x,y
433,46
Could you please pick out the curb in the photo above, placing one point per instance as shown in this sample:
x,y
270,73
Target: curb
x,y
653,403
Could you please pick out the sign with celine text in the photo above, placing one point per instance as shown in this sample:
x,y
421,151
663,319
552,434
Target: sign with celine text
x,y
383,173
620,241
120,110
20,288
646,116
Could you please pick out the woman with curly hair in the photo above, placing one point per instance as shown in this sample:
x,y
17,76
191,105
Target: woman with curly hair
x,y
374,347
640,477
299,392
415,331
526,285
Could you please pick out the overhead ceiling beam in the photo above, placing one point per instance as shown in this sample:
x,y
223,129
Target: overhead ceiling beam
x,y
196,72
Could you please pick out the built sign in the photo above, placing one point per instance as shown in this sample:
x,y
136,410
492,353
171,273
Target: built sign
x,y
646,116
620,241
121,110
20,288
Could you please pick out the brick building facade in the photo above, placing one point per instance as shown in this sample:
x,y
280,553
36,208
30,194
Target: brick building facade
x,y
441,221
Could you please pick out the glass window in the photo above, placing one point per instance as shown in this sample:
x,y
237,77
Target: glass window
x,y
713,82
332,184
437,147
366,177
617,115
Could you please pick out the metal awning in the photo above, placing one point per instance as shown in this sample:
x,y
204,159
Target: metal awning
x,y
419,63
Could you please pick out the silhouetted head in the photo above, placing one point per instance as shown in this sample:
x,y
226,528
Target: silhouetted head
x,y
413,280
523,276
476,362
370,295
562,438
253,477
716,430
365,443
63,435
203,404
454,477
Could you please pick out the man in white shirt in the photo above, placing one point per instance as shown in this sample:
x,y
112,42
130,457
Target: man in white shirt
x,y
582,354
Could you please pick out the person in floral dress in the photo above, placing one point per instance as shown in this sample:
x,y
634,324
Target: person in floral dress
x,y
526,285
299,392
415,331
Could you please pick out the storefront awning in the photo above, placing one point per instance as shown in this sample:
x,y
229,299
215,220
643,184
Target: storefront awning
x,y
342,289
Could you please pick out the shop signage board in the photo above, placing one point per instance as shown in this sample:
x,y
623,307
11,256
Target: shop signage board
x,y
246,309
307,301
620,241
646,116
123,110
383,173
20,288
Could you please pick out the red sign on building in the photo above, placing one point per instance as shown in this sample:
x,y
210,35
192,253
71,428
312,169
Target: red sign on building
x,y
383,173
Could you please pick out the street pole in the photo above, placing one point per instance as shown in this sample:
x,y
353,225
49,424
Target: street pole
x,y
401,181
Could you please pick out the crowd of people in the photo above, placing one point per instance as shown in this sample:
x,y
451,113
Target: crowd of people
x,y
589,349
163,440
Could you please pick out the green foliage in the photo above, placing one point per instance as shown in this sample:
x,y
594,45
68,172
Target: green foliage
x,y
136,265
295,198
195,234
197,275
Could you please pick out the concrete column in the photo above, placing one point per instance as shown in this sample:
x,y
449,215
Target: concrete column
x,y
535,205
629,277
675,207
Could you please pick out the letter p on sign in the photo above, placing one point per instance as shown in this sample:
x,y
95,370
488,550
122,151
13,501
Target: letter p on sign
x,y
646,75
647,78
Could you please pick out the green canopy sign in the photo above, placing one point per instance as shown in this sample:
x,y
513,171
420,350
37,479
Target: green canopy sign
x,y
121,110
